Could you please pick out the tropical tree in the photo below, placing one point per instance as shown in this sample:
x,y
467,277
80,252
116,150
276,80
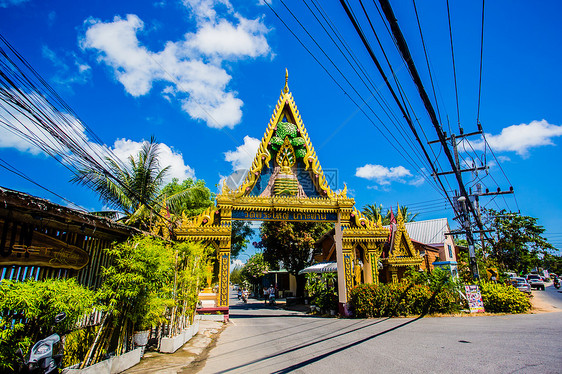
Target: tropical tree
x,y
290,245
373,212
190,197
408,216
255,268
135,190
131,188
241,232
519,244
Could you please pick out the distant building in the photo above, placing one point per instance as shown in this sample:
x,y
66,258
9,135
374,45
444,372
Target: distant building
x,y
432,233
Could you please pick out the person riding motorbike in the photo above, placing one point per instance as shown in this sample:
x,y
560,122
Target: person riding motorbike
x,y
271,292
557,282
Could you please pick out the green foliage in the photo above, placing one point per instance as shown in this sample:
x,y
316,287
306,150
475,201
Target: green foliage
x,y
149,282
241,232
236,275
76,345
136,285
322,289
290,244
190,197
503,298
135,186
191,273
36,304
519,243
255,268
373,212
418,293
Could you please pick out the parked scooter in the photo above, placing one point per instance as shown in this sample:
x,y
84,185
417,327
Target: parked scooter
x,y
42,357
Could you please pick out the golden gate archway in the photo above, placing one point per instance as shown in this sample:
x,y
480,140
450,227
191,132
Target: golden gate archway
x,y
286,182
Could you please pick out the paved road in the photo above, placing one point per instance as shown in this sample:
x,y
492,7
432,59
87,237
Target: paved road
x,y
268,340
551,296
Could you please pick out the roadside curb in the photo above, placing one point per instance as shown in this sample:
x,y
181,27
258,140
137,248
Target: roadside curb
x,y
192,353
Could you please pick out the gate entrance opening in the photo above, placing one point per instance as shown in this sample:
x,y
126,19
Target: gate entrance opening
x,y
286,182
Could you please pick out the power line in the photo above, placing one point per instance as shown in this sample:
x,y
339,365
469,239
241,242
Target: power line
x,y
454,67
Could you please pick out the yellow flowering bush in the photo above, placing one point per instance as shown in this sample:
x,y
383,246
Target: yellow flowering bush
x,y
503,298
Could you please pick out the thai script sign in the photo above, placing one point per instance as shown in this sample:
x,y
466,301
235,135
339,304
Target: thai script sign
x,y
474,298
282,216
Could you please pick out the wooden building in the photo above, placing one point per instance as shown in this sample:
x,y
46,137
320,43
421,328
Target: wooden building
x,y
40,239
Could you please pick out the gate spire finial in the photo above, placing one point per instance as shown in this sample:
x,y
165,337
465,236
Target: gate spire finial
x,y
286,89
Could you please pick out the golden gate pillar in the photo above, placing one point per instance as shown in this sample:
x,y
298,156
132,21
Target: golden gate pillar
x,y
224,272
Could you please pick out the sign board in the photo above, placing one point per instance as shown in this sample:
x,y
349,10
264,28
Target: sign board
x,y
492,274
44,251
252,215
474,298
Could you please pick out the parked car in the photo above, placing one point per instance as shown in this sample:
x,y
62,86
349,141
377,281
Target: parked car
x,y
535,281
521,284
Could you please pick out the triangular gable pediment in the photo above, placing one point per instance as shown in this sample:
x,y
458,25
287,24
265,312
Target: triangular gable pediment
x,y
285,163
402,244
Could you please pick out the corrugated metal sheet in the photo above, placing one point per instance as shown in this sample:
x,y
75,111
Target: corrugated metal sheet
x,y
428,232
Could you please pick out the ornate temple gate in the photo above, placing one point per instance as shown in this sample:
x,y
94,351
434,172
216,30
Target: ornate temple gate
x,y
286,183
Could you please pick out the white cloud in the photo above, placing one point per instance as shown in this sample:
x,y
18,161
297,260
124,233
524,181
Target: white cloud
x,y
521,138
19,128
191,66
242,157
22,132
204,10
228,40
383,175
237,263
75,72
123,148
9,3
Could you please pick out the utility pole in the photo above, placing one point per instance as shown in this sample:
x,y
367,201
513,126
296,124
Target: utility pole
x,y
467,209
464,216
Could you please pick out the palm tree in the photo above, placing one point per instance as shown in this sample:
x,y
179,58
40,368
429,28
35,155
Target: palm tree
x,y
372,211
135,190
130,187
408,216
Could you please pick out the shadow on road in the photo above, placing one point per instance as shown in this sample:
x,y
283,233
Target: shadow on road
x,y
318,340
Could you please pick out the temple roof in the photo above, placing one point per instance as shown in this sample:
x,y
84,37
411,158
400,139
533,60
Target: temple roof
x,y
285,114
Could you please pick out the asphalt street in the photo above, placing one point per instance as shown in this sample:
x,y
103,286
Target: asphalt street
x,y
263,339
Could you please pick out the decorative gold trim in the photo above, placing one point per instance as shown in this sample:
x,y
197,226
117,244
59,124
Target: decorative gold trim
x,y
224,277
263,156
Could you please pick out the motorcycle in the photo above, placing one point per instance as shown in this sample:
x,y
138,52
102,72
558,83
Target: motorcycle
x,y
557,283
244,297
42,359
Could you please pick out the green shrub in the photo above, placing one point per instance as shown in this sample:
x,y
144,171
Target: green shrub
x,y
417,294
502,298
28,309
76,345
321,288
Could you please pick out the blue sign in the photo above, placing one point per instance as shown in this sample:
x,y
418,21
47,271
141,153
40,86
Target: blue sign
x,y
253,215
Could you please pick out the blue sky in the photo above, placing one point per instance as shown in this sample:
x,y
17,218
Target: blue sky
x,y
203,76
